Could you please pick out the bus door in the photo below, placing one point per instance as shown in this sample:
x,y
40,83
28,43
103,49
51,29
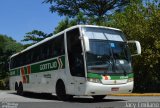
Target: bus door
x,y
76,61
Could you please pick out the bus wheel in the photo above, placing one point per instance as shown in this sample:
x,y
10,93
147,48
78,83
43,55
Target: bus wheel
x,y
98,97
16,86
20,89
61,92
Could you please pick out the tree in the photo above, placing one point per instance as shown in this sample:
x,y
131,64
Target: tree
x,y
8,46
97,9
35,36
141,22
66,23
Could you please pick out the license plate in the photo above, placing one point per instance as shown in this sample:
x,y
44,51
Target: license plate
x,y
115,89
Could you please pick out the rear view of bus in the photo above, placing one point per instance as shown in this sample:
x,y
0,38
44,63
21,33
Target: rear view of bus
x,y
108,61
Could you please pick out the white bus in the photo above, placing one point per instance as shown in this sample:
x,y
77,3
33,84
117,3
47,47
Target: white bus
x,y
81,60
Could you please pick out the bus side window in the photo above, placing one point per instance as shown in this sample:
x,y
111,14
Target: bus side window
x,y
57,47
28,58
31,56
36,54
50,50
74,48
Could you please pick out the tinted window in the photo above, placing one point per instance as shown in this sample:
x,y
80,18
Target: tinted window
x,y
75,57
47,50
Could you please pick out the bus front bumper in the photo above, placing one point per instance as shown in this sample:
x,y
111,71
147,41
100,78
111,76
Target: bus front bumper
x,y
101,89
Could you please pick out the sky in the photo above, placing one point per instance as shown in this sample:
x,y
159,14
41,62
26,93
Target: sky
x,y
18,17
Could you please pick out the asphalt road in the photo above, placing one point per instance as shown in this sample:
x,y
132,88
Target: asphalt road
x,y
9,99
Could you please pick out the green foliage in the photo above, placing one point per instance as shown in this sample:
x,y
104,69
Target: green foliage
x,y
63,25
142,22
8,46
66,23
97,9
2,84
79,19
34,37
139,21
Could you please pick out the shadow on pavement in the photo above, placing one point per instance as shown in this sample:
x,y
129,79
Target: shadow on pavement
x,y
84,100
43,96
76,99
91,100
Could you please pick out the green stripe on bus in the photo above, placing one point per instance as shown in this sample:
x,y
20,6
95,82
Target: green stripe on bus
x,y
131,75
113,77
118,77
52,64
93,75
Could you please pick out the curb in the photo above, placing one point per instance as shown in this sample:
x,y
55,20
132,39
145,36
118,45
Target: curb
x,y
136,94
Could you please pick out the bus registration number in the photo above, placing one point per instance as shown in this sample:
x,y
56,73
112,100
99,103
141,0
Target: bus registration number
x,y
115,89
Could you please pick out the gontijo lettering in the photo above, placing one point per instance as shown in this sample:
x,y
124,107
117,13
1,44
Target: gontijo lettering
x,y
48,66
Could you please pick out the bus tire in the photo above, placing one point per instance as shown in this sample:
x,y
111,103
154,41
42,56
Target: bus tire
x,y
61,91
16,86
20,89
98,97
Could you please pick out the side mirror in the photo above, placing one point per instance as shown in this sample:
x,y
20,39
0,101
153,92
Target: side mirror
x,y
136,51
86,43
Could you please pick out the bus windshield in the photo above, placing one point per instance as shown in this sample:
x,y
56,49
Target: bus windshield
x,y
109,53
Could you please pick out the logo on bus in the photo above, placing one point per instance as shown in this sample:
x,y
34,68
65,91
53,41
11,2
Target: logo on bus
x,y
52,65
48,66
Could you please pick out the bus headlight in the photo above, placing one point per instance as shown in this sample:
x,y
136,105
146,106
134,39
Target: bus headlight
x,y
130,80
95,80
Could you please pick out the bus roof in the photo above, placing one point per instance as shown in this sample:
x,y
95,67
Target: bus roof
x,y
47,39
